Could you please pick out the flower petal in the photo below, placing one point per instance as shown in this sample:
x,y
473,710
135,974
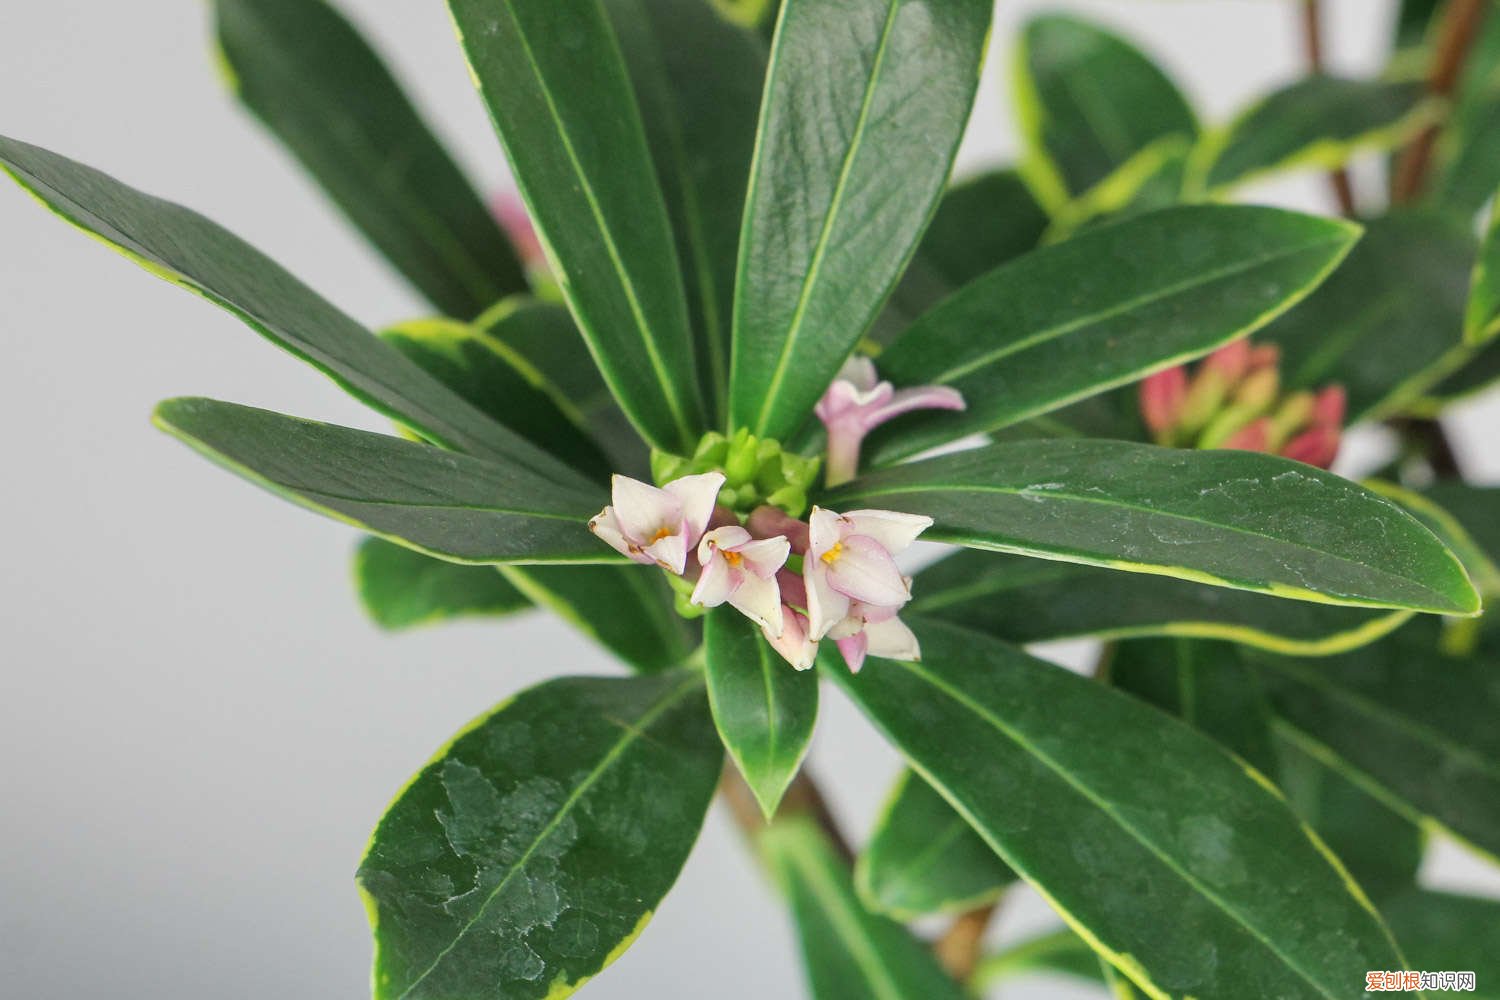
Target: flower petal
x,y
643,511
764,556
793,643
826,607
760,601
607,527
729,537
926,397
892,640
715,584
825,530
854,649
697,495
892,529
670,553
865,571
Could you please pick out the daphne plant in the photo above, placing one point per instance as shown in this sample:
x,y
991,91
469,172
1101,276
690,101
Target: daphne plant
x,y
767,346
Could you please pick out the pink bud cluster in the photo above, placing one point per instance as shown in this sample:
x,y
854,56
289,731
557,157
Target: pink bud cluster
x,y
1234,400
847,588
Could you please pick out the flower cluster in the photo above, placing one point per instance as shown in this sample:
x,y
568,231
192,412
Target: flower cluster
x,y
858,402
1234,400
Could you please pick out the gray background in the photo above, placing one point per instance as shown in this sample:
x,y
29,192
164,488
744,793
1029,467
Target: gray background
x,y
197,727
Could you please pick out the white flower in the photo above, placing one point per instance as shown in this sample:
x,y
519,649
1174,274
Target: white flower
x,y
660,526
849,567
741,570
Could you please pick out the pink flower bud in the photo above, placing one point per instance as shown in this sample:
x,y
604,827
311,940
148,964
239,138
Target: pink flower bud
x,y
1317,446
1162,396
1254,436
857,402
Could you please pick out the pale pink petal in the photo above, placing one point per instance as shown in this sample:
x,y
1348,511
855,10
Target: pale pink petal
x,y
715,584
698,495
863,570
760,601
643,511
793,643
825,530
873,614
763,557
853,650
729,537
826,607
927,397
850,626
607,527
670,553
892,640
892,529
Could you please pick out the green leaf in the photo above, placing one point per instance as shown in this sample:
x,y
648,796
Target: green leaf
x,y
313,80
1479,507
865,103
188,250
556,86
925,858
1482,318
1381,848
1181,867
1141,295
401,588
1026,600
1152,179
1467,158
1441,931
626,609
502,384
1231,518
1206,685
849,953
1317,122
1475,508
459,508
1477,373
765,709
1408,724
546,336
698,81
1059,951
532,850
1388,324
980,224
1088,101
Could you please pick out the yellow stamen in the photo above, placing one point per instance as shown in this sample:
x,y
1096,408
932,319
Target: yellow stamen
x,y
732,558
832,554
660,534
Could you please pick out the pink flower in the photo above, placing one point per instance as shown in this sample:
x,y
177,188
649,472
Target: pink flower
x,y
791,639
885,636
660,526
741,570
849,568
857,402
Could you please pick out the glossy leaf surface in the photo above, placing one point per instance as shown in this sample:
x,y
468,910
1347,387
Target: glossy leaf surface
x,y
188,250
864,106
555,82
461,508
1088,102
1231,518
1026,600
530,852
849,953
314,81
627,609
1387,322
1151,291
502,384
1319,121
1188,873
1410,725
765,709
1445,931
400,588
698,81
925,858
1478,506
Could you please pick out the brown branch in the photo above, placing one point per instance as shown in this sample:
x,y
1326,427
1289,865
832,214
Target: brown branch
x,y
1455,37
802,798
1312,37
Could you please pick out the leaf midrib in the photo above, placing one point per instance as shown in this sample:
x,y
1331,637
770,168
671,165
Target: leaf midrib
x,y
1050,333
1155,512
820,249
632,732
980,710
